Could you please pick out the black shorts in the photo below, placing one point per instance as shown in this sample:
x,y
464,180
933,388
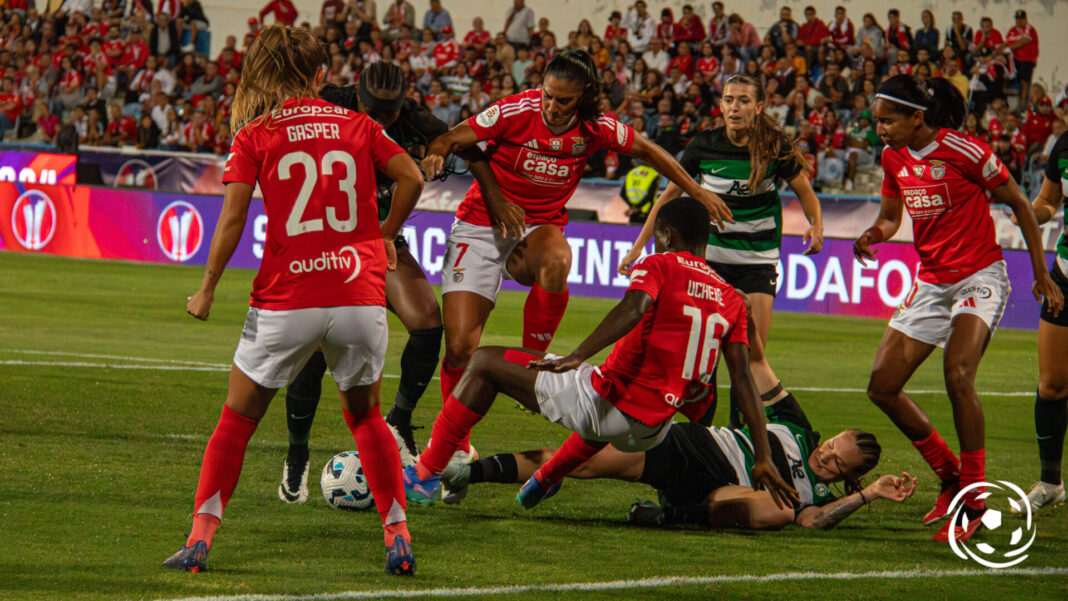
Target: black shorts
x,y
685,467
748,278
1024,70
1061,280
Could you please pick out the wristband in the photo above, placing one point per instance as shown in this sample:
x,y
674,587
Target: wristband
x,y
863,501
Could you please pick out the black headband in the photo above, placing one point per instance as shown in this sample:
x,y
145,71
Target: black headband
x,y
376,105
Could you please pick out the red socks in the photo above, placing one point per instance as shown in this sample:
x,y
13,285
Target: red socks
x,y
452,426
541,316
382,467
219,472
450,377
972,470
573,453
937,454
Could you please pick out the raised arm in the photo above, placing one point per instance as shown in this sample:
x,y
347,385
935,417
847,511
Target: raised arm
x,y
620,320
670,193
886,225
459,137
223,244
656,157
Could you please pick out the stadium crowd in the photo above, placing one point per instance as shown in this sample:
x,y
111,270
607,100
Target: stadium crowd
x,y
126,72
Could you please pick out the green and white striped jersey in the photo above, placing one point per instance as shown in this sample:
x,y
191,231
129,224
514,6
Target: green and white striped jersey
x,y
790,444
755,237
1057,170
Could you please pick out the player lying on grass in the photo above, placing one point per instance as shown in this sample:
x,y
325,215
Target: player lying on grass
x,y
702,475
671,324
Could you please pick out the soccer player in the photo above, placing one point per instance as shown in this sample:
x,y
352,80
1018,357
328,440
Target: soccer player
x,y
538,143
380,95
702,474
671,325
1051,398
322,279
743,162
945,182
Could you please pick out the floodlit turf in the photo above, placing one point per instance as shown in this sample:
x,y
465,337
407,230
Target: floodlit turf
x,y
98,467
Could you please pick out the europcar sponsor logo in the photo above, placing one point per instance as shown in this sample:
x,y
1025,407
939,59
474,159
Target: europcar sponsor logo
x,y
136,173
33,219
180,231
345,260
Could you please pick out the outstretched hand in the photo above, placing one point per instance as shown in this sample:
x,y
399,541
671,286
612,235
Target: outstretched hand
x,y
556,364
765,476
894,488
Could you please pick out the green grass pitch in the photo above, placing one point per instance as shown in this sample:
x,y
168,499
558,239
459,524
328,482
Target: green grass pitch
x,y
99,462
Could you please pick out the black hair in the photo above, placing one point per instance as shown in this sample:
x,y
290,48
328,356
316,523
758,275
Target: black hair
x,y
382,76
688,217
870,450
944,102
577,65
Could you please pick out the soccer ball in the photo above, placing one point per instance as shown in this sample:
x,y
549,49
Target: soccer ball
x,y
343,483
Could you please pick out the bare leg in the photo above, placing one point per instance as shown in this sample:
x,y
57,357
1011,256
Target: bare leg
x,y
895,362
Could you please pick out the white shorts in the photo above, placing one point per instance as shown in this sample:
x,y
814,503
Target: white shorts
x,y
275,345
476,259
570,400
928,311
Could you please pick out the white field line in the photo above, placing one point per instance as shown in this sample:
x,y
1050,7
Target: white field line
x,y
645,583
145,363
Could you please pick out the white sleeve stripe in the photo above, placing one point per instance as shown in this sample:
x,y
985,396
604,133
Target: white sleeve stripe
x,y
966,152
966,143
515,112
518,107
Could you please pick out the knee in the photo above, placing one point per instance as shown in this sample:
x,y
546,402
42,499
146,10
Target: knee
x,y
882,393
1053,388
960,381
459,350
555,264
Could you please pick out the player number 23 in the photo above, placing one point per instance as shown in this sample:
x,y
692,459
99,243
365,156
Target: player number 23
x,y
709,347
295,224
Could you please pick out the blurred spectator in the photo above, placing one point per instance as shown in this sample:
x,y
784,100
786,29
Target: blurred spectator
x,y
1022,40
401,13
121,129
689,29
478,37
437,19
148,133
192,17
842,33
898,35
927,37
283,11
519,24
718,28
641,27
743,37
445,109
811,35
656,57
987,37
783,31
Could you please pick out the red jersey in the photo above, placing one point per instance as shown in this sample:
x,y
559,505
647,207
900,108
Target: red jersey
x,y
124,128
991,41
944,187
667,360
537,169
685,63
476,37
447,53
12,114
1029,51
315,163
612,33
810,34
134,54
284,12
842,34
707,65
